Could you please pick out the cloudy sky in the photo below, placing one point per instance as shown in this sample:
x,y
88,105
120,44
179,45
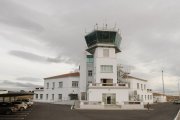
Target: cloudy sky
x,y
41,38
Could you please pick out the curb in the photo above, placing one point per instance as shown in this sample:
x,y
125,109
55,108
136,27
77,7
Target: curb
x,y
177,116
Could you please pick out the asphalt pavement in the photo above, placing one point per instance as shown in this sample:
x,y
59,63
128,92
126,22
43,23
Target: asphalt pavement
x,y
44,111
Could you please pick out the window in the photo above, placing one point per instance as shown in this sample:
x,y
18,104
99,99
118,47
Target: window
x,y
90,59
74,83
89,73
144,86
60,96
52,96
53,85
36,96
106,52
41,96
137,85
106,68
142,97
145,97
60,84
46,96
148,97
47,85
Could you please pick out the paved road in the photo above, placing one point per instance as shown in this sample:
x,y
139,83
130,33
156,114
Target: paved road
x,y
163,111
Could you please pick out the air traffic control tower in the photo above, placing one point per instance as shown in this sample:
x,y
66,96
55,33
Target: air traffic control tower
x,y
104,45
103,38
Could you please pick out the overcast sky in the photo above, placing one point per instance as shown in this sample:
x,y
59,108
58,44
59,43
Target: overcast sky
x,y
41,38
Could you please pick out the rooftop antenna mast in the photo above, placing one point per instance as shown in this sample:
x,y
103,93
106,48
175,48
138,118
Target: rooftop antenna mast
x,y
96,26
115,26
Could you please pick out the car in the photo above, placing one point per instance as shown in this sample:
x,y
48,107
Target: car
x,y
176,101
20,105
27,101
7,108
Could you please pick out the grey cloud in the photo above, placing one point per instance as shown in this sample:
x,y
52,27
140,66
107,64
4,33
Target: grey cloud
x,y
16,15
38,58
30,79
150,29
18,84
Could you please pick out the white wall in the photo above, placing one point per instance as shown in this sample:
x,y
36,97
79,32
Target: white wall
x,y
96,94
141,91
99,60
65,90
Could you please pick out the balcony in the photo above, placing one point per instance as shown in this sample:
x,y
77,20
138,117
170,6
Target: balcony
x,y
109,85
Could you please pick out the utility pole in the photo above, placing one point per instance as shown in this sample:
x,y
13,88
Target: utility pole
x,y
163,83
178,89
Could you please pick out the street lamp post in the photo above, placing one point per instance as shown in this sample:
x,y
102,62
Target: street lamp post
x,y
178,89
163,83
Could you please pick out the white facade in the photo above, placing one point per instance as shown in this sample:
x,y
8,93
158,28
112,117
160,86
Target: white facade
x,y
159,98
139,90
58,89
99,81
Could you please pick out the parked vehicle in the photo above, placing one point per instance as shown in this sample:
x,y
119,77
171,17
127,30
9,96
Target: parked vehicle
x,y
176,101
20,105
7,108
27,101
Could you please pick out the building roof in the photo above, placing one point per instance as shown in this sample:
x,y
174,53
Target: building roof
x,y
131,77
75,74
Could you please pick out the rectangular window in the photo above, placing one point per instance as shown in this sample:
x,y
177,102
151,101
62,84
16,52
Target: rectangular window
x,y
148,97
53,85
36,96
141,86
74,83
137,85
144,86
47,85
60,96
106,69
106,52
142,97
145,97
90,59
46,96
41,96
60,84
52,96
89,73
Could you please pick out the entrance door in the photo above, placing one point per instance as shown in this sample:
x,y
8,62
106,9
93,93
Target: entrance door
x,y
108,99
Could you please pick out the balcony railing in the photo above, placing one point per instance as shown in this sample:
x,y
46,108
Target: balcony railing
x,y
123,85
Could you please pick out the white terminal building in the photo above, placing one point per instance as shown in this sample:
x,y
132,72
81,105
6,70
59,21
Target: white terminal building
x,y
100,81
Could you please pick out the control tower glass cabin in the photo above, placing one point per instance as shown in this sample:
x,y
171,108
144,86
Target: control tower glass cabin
x,y
103,38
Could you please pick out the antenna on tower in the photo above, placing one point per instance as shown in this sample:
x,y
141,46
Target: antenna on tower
x,y
96,26
85,30
115,26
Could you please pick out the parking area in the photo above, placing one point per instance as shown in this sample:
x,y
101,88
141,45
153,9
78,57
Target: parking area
x,y
43,111
18,115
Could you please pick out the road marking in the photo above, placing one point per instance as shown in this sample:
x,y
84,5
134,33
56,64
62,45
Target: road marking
x,y
11,115
11,118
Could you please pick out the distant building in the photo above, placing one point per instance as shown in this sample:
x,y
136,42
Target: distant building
x,y
100,81
159,98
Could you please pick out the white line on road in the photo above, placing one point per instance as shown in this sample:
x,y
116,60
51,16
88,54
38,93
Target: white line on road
x,y
11,118
11,115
